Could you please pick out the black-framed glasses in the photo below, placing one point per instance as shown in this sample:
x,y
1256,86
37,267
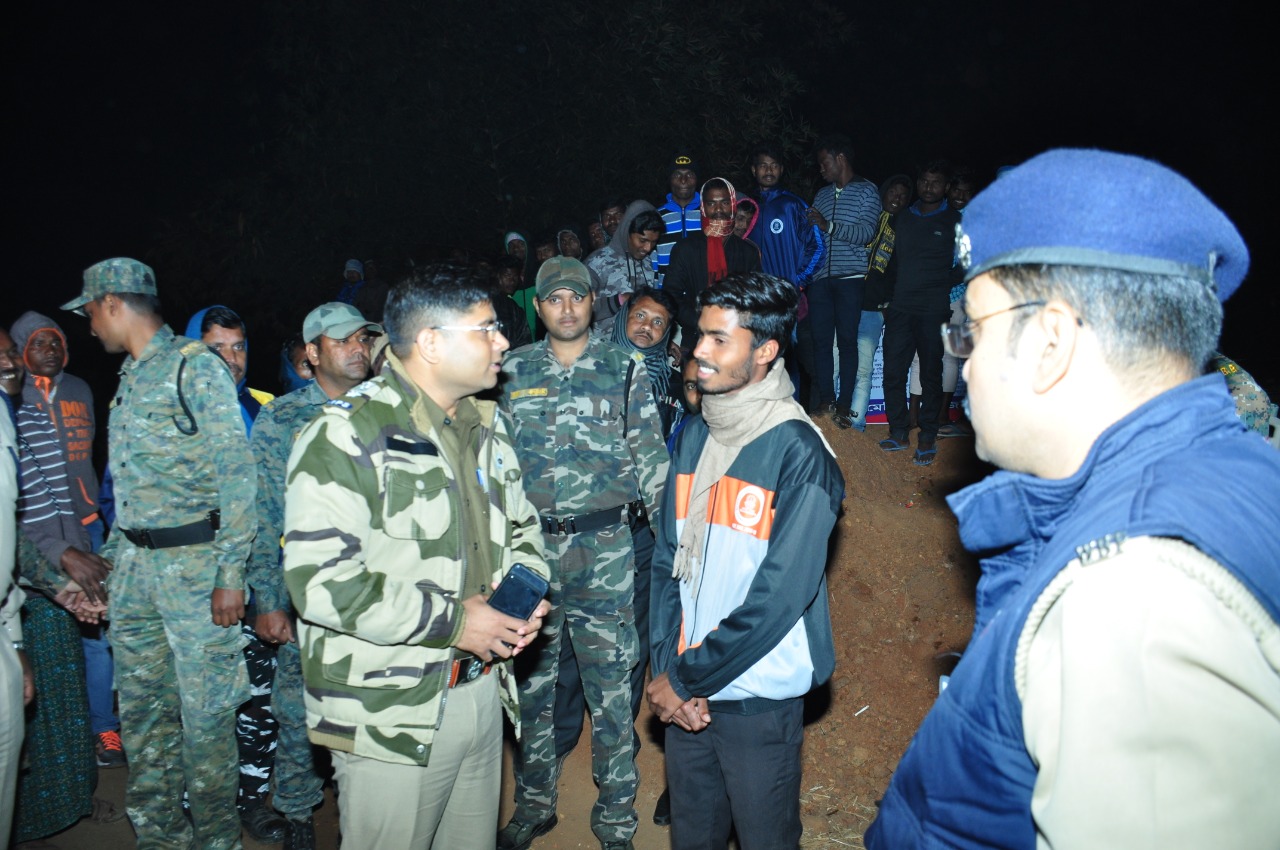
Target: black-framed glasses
x,y
490,329
957,340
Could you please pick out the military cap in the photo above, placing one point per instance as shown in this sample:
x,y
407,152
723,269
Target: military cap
x,y
563,273
1097,208
335,320
119,274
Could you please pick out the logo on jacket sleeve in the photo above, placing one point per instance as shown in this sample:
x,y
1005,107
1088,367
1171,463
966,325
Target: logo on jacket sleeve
x,y
777,226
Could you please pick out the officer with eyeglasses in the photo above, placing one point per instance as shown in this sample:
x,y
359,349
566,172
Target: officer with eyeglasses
x,y
1122,686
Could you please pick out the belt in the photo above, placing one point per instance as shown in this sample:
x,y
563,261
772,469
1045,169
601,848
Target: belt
x,y
593,521
467,670
200,531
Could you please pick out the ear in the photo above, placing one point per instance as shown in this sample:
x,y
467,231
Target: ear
x,y
766,353
427,345
1058,327
313,353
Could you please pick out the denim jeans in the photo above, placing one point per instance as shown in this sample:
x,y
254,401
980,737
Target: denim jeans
x,y
869,329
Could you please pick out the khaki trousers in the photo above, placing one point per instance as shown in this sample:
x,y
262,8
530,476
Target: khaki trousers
x,y
451,804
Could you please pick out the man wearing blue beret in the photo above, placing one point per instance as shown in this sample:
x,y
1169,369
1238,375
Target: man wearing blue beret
x,y
1121,688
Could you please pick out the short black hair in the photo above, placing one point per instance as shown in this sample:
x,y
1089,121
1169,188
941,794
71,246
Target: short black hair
x,y
661,296
611,202
769,149
222,317
837,144
647,220
936,166
766,305
140,302
431,295
509,261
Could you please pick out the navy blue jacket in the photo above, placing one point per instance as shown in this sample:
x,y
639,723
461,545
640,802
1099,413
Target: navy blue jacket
x,y
966,779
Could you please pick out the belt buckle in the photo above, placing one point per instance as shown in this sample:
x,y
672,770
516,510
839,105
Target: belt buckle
x,y
568,525
144,539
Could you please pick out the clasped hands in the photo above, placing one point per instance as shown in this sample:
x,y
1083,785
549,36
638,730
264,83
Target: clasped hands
x,y
691,715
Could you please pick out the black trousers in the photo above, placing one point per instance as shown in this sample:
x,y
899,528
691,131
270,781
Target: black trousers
x,y
904,335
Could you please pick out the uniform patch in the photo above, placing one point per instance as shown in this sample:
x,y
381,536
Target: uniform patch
x,y
531,391
337,402
777,226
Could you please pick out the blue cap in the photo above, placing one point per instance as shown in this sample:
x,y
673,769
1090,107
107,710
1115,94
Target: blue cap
x,y
1097,208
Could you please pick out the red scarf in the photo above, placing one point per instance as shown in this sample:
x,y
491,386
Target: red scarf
x,y
716,231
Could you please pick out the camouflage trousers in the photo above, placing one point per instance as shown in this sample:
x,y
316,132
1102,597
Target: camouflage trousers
x,y
180,679
592,591
255,723
296,786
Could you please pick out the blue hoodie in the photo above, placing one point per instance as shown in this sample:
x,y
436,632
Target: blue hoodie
x,y
251,401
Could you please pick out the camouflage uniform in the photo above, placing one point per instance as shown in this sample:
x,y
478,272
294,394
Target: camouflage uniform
x,y
297,788
585,448
180,676
1253,405
374,564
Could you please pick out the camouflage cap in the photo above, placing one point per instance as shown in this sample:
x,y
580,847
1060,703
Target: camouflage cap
x,y
563,273
335,320
119,274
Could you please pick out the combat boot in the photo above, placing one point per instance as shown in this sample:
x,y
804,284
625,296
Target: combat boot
x,y
300,834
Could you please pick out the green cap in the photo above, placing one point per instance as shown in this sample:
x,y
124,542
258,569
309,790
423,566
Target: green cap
x,y
563,273
119,274
336,320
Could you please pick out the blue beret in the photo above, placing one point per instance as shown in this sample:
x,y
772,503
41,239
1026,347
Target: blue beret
x,y
1096,208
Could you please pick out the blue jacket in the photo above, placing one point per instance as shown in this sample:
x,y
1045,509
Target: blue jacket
x,y
680,222
966,779
790,247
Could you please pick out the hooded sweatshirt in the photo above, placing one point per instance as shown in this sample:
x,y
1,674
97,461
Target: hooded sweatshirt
x,y
67,401
618,272
251,400
524,294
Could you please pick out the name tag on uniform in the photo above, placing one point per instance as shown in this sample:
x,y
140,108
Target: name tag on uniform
x,y
533,391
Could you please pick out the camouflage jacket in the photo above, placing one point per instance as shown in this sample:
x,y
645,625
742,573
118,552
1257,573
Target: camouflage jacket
x,y
175,456
583,444
274,432
374,564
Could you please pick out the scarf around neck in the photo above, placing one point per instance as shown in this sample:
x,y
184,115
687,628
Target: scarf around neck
x,y
734,420
716,232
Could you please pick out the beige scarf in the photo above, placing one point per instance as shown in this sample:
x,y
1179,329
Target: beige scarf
x,y
733,420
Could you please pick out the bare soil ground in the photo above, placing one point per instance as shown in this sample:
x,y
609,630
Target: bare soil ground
x,y
901,599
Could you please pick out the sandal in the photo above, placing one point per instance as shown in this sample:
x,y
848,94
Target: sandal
x,y
924,457
893,444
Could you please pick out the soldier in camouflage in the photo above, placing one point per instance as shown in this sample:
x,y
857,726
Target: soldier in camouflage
x,y
589,439
184,489
338,339
404,505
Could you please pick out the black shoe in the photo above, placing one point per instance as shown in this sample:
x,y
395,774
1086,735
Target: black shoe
x,y
299,834
843,417
662,811
518,835
262,822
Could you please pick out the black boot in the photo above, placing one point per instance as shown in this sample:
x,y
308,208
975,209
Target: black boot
x,y
300,834
662,811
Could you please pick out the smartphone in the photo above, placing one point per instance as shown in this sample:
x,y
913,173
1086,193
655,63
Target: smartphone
x,y
519,592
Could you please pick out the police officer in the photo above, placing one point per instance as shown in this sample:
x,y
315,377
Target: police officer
x,y
588,435
184,489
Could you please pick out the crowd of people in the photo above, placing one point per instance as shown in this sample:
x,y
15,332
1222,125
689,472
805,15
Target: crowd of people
x,y
279,590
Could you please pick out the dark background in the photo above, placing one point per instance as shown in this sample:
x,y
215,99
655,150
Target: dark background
x,y
246,150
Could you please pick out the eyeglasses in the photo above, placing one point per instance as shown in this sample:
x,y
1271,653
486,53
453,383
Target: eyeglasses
x,y
957,340
490,329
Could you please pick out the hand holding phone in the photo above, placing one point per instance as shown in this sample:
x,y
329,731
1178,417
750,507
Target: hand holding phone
x,y
519,593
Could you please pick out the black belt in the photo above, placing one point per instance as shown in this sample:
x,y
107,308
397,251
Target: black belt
x,y
467,670
200,531
593,521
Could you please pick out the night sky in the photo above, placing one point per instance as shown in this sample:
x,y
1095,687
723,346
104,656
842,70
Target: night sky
x,y
124,117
